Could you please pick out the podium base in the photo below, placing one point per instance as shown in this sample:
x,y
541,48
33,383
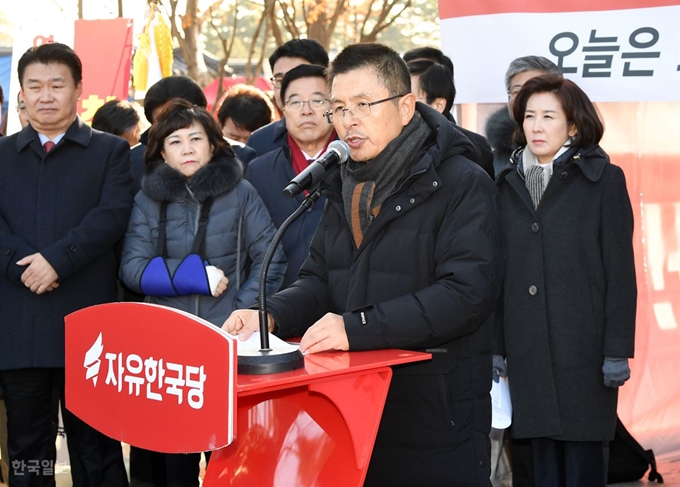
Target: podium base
x,y
260,362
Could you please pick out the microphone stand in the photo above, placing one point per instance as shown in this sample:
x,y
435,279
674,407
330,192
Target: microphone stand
x,y
267,360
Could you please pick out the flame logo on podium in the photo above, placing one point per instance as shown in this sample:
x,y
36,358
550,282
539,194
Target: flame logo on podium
x,y
92,361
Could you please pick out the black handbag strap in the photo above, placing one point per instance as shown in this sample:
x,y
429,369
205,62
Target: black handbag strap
x,y
199,240
198,246
161,247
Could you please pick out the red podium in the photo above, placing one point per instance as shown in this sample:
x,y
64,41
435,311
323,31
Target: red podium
x,y
312,427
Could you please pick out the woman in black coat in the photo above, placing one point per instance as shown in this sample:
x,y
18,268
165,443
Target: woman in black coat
x,y
567,314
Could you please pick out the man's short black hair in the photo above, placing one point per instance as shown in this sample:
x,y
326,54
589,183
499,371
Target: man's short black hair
x,y
429,54
115,117
248,108
435,81
173,87
301,71
389,67
52,53
307,49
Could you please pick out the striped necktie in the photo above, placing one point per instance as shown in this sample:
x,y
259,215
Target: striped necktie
x,y
48,146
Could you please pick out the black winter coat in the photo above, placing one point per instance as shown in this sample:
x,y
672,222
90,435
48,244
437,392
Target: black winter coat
x,y
500,129
483,156
270,174
71,205
268,138
569,297
426,277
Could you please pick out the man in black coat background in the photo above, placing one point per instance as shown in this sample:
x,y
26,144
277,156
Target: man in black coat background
x,y
65,199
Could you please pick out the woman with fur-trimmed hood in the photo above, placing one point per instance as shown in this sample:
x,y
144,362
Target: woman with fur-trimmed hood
x,y
215,222
188,164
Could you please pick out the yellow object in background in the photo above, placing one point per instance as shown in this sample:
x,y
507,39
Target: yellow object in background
x,y
163,43
163,39
140,63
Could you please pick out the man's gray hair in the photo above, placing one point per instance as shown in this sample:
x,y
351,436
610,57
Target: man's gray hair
x,y
530,63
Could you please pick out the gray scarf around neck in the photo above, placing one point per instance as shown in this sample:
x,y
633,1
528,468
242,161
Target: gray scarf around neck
x,y
366,185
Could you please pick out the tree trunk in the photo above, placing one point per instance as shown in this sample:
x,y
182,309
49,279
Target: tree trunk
x,y
193,56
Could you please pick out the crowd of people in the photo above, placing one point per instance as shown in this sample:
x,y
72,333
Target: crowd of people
x,y
507,259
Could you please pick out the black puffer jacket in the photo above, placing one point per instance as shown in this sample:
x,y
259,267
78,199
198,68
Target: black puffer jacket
x,y
426,277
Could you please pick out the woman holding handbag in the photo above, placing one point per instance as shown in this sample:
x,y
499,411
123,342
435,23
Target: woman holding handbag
x,y
198,232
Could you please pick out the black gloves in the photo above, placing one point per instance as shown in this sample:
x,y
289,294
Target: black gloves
x,y
616,371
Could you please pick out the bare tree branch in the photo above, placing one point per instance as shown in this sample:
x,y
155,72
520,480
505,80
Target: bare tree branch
x,y
382,23
366,17
227,45
288,20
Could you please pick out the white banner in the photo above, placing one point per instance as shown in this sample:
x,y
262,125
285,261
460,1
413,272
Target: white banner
x,y
614,55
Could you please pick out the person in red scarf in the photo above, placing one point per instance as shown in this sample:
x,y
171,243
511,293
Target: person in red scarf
x,y
304,94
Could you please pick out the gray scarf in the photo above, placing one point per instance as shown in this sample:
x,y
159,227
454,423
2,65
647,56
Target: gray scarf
x,y
366,185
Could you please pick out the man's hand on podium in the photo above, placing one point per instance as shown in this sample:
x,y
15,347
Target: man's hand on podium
x,y
326,334
245,322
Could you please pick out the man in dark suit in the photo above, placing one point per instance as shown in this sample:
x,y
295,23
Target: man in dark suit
x,y
307,137
65,199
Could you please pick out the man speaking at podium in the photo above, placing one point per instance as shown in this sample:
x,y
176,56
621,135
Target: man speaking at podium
x,y
408,254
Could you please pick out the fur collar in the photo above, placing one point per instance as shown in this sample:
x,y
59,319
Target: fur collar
x,y
216,178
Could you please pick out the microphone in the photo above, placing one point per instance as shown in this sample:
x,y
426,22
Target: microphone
x,y
338,152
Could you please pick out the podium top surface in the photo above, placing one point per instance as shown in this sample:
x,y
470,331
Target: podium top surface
x,y
328,364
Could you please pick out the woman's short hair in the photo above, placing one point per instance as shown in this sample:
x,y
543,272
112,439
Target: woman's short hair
x,y
180,114
576,105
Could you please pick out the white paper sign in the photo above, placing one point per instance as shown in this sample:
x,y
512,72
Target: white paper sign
x,y
501,405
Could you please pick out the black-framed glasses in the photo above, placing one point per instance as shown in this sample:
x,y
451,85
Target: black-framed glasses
x,y
315,104
358,110
276,80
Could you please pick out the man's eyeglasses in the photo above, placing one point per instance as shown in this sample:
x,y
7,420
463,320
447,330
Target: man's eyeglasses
x,y
276,80
512,94
358,110
315,104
